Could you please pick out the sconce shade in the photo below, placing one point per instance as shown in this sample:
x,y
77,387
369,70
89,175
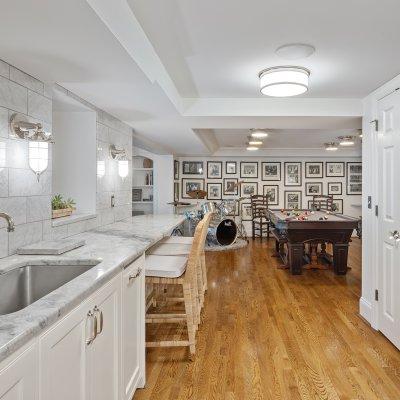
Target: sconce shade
x,y
123,168
38,157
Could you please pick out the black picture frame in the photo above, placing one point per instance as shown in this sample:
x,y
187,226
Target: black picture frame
x,y
176,170
219,184
314,176
244,217
242,194
236,192
340,201
300,173
176,191
251,176
350,175
264,177
330,193
287,192
219,163
272,203
184,181
192,165
226,167
329,174
320,184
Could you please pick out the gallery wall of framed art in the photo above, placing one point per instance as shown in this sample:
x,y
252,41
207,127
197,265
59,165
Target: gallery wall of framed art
x,y
286,181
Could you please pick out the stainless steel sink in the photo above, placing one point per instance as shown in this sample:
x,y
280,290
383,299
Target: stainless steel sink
x,y
26,284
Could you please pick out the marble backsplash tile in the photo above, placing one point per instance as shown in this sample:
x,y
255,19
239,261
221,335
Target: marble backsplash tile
x,y
13,96
26,80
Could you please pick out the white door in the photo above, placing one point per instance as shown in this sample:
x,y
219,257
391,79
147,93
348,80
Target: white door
x,y
18,380
103,355
389,221
62,358
133,328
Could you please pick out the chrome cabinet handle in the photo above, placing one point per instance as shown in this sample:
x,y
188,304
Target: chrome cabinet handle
x,y
93,327
99,313
395,235
134,276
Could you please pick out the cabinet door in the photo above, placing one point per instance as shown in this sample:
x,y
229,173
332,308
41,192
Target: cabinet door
x,y
104,352
133,328
62,358
18,380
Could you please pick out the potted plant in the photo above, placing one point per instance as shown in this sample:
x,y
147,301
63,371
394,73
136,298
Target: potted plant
x,y
61,207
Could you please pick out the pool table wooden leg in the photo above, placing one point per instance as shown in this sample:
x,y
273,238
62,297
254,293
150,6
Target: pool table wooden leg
x,y
295,258
340,255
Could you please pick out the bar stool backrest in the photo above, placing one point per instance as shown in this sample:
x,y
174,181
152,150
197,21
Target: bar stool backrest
x,y
322,202
259,204
194,251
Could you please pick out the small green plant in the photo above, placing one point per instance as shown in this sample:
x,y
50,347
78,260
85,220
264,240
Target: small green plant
x,y
58,203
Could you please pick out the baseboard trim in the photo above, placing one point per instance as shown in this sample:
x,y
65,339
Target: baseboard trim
x,y
366,310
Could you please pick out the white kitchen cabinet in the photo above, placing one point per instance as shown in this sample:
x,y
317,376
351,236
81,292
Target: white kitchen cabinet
x,y
18,379
133,328
103,353
96,352
63,357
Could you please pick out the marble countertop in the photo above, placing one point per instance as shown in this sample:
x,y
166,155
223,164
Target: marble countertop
x,y
113,246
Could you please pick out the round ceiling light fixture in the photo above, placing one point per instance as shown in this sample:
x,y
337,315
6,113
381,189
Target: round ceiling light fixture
x,y
251,148
295,51
331,146
346,140
258,133
284,81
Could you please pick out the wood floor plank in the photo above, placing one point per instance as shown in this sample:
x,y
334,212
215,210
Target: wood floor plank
x,y
266,334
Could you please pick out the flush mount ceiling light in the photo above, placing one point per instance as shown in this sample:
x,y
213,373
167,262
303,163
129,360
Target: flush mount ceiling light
x,y
252,148
258,133
255,142
285,81
295,51
346,140
331,146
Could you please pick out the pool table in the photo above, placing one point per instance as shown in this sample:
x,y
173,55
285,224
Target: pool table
x,y
297,227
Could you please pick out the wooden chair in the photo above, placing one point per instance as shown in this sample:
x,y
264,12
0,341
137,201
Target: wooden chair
x,y
181,271
322,202
259,220
180,247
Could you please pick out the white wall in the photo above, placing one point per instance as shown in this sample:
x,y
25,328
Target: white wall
x,y
74,155
349,201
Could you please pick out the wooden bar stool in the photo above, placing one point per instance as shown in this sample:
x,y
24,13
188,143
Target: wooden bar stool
x,y
182,271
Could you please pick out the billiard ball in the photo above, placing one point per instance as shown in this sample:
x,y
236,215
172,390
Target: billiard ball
x,y
320,219
326,217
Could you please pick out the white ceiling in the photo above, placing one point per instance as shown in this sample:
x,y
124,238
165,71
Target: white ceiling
x,y
174,68
216,48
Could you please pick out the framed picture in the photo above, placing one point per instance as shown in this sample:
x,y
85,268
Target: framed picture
x,y
335,188
247,214
272,193
314,169
249,169
271,171
136,194
313,188
354,178
230,168
334,169
230,186
293,199
232,206
176,191
293,173
248,189
176,170
214,169
214,191
189,184
192,167
337,206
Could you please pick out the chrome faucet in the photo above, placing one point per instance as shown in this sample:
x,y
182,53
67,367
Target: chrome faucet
x,y
10,222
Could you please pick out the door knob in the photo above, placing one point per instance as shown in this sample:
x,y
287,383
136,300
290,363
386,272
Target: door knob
x,y
395,235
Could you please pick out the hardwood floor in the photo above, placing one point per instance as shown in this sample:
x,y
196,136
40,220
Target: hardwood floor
x,y
270,335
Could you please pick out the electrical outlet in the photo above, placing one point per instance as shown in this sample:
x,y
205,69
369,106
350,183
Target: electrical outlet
x,y
112,201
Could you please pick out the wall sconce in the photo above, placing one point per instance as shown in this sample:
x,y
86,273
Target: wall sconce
x,y
120,156
38,141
